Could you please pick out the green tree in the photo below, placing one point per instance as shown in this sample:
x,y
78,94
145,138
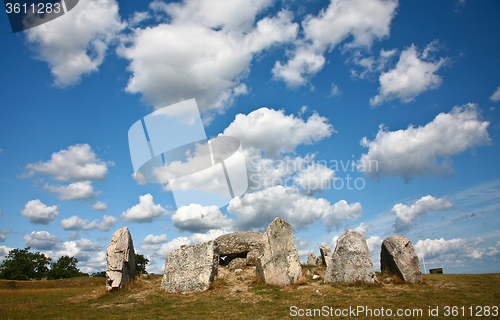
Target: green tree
x,y
140,264
63,268
21,264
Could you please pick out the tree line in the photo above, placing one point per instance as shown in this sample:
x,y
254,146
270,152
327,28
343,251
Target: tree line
x,y
22,264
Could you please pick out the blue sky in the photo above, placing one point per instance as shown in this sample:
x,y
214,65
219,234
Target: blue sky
x,y
312,89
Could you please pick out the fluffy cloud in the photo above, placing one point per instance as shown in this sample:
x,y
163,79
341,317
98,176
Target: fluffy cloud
x,y
406,215
272,132
100,206
258,209
415,151
496,95
195,238
78,162
196,218
74,191
41,240
81,249
363,227
457,253
2,238
40,213
75,44
152,239
414,73
203,50
374,243
360,20
145,211
75,223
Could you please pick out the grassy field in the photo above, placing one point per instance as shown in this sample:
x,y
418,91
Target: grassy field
x,y
238,296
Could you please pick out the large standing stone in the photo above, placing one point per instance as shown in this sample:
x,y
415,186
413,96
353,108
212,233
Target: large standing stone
x,y
351,261
326,255
398,256
191,268
311,260
279,262
120,260
238,244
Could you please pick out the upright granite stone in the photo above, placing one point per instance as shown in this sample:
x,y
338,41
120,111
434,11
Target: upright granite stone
x,y
398,256
120,260
326,255
351,261
191,268
311,260
238,244
279,262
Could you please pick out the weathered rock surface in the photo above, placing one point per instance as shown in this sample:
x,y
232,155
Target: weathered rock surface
x,y
326,254
279,262
398,256
252,257
237,263
311,260
319,260
120,260
191,268
351,261
239,243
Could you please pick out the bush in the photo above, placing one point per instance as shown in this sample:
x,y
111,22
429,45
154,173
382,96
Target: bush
x,y
64,268
21,264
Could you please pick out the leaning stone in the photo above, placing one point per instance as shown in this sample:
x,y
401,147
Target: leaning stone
x,y
237,263
279,262
238,244
326,255
351,261
120,260
398,256
311,260
191,268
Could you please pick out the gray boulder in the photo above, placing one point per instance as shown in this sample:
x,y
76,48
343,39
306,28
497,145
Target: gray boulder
x,y
252,257
398,256
326,255
351,261
191,268
238,244
311,260
279,262
120,260
237,263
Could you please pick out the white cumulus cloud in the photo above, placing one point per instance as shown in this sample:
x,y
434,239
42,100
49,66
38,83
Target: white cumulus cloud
x,y
414,73
258,209
100,206
76,223
202,49
360,21
196,218
406,215
75,191
496,95
39,213
78,162
145,211
416,151
273,132
76,43
41,240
